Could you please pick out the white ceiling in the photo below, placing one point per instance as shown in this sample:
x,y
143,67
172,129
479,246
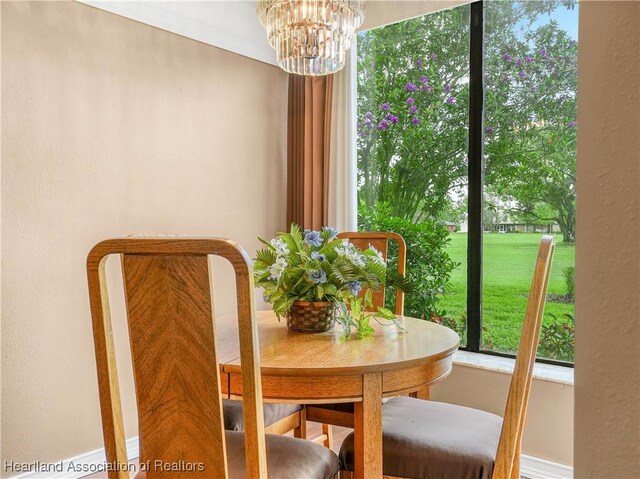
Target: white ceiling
x,y
233,25
229,24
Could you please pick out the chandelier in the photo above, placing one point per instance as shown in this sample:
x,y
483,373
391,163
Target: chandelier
x,y
311,37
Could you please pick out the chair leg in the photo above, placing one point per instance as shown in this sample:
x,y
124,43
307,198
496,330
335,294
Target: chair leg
x,y
515,469
301,430
328,433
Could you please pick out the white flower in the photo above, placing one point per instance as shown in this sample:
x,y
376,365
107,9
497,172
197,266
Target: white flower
x,y
379,258
280,246
351,253
277,268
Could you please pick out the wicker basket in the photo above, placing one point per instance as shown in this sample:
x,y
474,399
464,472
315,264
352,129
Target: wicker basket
x,y
311,316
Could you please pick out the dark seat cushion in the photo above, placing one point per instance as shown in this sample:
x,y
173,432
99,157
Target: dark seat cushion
x,y
340,407
234,421
287,458
432,440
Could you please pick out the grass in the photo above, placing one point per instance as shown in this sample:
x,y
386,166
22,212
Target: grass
x,y
508,268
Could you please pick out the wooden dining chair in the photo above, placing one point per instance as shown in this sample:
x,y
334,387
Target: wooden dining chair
x,y
278,418
380,241
342,414
429,440
176,372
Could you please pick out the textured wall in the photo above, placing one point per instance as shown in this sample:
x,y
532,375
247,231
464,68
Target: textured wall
x,y
112,127
607,415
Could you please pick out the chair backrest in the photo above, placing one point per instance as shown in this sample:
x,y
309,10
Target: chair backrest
x,y
508,455
380,241
176,372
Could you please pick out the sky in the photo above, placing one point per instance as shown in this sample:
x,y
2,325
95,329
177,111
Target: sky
x,y
567,20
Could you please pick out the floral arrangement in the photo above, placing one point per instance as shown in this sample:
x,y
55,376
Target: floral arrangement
x,y
318,266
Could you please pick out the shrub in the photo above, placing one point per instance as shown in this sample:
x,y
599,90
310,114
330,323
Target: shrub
x,y
429,266
557,338
569,279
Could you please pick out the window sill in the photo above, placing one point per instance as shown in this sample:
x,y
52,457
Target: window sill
x,y
543,372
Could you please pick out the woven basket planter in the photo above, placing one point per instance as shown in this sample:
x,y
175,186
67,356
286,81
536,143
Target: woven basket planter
x,y
311,317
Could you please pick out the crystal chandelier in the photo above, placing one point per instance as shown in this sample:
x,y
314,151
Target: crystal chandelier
x,y
311,37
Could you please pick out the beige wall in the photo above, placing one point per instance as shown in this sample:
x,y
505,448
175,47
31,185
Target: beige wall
x,y
607,419
112,127
549,431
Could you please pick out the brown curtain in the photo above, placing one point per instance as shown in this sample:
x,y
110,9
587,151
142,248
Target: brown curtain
x,y
308,143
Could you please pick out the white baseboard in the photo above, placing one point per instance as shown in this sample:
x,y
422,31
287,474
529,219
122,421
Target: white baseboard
x,y
537,468
76,467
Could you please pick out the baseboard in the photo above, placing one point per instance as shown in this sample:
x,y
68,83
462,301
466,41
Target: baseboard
x,y
79,466
537,468
76,467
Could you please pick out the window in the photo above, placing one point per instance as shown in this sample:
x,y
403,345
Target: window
x,y
472,193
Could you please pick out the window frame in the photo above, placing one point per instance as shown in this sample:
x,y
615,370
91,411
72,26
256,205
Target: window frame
x,y
475,156
475,192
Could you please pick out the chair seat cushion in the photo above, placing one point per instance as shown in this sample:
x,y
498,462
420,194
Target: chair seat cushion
x,y
432,440
287,458
234,420
340,407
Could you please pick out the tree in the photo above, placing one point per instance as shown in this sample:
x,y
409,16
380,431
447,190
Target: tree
x,y
413,113
530,124
412,79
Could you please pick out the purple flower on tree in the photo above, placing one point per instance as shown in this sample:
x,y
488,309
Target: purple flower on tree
x,y
411,87
572,124
504,78
429,89
489,130
410,101
534,88
433,56
383,125
519,62
528,59
367,121
507,57
413,109
424,79
543,53
415,120
447,88
368,115
451,100
418,63
522,75
384,107
392,118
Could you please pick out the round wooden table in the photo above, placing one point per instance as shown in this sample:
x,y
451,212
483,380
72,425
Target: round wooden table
x,y
324,368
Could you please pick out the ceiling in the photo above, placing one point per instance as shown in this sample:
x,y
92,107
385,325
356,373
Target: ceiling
x,y
230,25
233,25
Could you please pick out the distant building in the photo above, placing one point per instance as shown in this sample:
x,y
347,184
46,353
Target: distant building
x,y
526,228
451,227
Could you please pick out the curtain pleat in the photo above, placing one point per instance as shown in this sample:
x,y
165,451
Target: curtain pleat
x,y
308,150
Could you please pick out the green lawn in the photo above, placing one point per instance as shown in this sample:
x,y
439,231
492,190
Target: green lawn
x,y
508,268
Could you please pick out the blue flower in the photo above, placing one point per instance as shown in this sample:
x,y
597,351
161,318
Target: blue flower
x,y
354,287
312,238
317,276
317,255
333,232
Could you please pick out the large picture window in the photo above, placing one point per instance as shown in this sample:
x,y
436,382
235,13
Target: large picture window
x,y
466,147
